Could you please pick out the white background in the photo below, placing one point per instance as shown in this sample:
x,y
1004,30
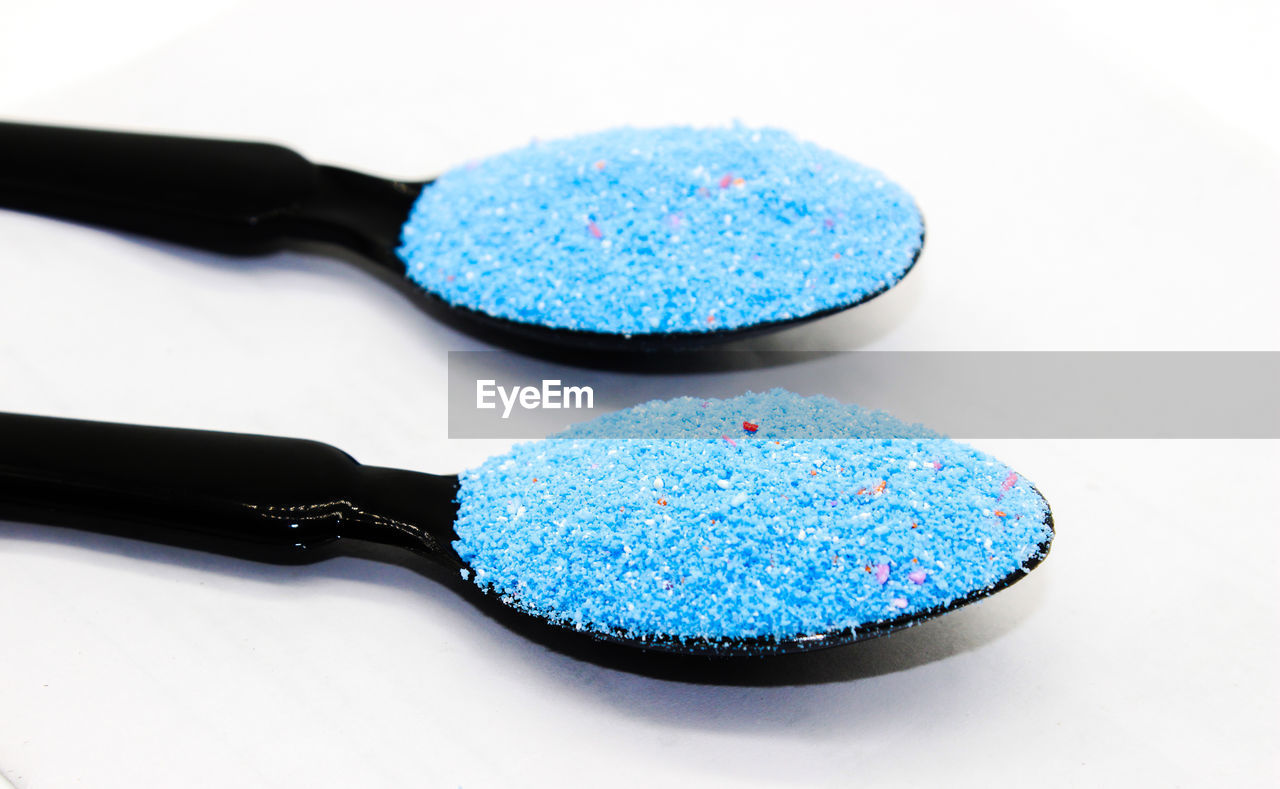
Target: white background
x,y
1095,175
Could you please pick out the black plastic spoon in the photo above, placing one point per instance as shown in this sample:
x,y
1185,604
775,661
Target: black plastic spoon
x,y
291,501
249,197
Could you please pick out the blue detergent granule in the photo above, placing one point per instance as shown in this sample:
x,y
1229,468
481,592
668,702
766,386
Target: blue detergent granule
x,y
630,526
671,230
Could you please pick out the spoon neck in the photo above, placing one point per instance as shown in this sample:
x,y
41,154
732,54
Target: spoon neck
x,y
353,210
276,500
403,509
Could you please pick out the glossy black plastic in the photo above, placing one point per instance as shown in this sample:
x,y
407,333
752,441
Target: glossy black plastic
x,y
248,198
277,500
290,501
238,197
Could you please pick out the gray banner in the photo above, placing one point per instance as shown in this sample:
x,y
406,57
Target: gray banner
x,y
495,394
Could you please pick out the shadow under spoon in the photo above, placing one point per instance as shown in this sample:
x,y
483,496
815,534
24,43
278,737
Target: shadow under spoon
x,y
249,198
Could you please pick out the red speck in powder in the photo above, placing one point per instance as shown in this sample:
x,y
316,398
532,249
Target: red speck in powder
x,y
726,180
749,427
595,230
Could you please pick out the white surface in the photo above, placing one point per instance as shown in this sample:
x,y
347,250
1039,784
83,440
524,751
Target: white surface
x,y
1095,176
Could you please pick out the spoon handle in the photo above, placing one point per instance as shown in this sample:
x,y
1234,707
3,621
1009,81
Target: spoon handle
x,y
277,500
230,196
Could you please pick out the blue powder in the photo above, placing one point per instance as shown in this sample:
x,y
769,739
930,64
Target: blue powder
x,y
736,534
639,231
